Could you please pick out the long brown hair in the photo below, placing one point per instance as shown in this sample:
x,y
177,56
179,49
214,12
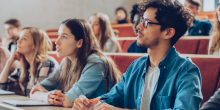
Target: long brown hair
x,y
106,32
215,43
71,71
42,45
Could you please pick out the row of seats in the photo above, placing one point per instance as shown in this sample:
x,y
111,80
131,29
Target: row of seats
x,y
208,65
186,45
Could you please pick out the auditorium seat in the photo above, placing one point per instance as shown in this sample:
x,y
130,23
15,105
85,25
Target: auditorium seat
x,y
203,46
209,68
125,30
186,46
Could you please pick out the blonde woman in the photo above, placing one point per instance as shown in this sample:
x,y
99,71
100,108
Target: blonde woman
x,y
102,29
214,43
36,65
85,70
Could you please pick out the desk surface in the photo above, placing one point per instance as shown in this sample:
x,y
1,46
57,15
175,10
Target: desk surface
x,y
16,97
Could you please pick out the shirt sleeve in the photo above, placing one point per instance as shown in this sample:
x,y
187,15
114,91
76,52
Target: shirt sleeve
x,y
89,81
188,89
213,103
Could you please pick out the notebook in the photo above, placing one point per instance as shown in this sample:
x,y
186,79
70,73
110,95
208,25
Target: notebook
x,y
3,92
23,103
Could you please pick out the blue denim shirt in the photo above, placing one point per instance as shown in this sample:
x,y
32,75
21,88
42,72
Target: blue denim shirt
x,y
91,83
200,28
178,86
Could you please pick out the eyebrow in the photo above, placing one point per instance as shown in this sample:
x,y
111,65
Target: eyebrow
x,y
147,19
62,33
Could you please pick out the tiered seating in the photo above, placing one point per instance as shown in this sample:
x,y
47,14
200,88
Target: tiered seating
x,y
125,30
206,15
186,45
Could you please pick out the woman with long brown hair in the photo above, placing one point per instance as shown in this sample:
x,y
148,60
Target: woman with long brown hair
x,y
102,29
85,70
35,63
214,43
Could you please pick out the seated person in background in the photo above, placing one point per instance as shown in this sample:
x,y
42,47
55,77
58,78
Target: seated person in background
x,y
121,15
32,47
102,29
135,19
85,70
12,30
163,80
4,56
200,27
214,43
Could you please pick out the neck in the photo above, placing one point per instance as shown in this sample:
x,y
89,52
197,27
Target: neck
x,y
29,57
72,57
157,54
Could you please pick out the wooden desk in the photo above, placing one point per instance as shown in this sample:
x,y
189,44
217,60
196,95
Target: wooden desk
x,y
16,97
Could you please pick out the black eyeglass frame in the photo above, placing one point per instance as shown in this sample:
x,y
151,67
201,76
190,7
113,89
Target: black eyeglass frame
x,y
144,20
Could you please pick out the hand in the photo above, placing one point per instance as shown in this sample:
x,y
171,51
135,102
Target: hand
x,y
105,106
38,87
15,56
59,101
85,104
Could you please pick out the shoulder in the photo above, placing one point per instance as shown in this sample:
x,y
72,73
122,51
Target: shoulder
x,y
49,62
205,22
94,58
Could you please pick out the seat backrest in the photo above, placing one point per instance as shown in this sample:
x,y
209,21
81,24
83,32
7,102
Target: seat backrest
x,y
125,30
187,46
203,46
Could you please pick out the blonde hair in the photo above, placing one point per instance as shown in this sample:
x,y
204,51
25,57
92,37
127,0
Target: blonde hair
x,y
215,43
72,71
42,44
106,32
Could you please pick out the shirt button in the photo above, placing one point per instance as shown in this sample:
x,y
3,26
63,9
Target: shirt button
x,y
164,67
139,97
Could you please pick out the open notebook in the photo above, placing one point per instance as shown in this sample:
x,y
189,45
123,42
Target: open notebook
x,y
3,92
23,103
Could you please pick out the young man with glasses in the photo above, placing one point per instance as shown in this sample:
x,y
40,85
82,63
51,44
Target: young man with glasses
x,y
163,79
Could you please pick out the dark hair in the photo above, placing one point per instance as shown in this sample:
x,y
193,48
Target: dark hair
x,y
194,2
71,71
170,13
122,8
134,11
13,22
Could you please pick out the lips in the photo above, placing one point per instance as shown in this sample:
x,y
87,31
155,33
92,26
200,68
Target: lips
x,y
139,35
57,49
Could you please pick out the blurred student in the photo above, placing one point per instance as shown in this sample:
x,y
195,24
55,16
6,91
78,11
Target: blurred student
x,y
214,43
85,70
12,29
102,29
163,80
32,47
121,15
199,27
135,19
4,56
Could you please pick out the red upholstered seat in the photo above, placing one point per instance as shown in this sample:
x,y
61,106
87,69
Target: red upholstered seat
x,y
203,46
125,30
187,46
126,45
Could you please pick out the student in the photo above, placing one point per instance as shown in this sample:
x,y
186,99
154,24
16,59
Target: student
x,y
32,47
135,19
12,29
102,29
213,103
4,56
163,80
121,15
214,43
85,70
200,27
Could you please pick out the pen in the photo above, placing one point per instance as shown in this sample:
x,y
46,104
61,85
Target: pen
x,y
56,97
90,100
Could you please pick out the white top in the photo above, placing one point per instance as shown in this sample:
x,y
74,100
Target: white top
x,y
151,79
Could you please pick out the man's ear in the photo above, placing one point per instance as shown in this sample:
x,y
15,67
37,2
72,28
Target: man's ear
x,y
79,43
170,32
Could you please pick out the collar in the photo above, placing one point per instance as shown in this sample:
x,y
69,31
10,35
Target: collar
x,y
164,63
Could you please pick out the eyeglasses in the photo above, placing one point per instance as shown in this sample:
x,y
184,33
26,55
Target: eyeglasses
x,y
145,23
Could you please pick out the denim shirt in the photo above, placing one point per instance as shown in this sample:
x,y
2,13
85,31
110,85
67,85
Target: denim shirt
x,y
91,83
178,86
200,28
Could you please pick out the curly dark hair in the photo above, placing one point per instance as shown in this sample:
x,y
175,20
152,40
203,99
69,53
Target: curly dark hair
x,y
134,11
122,8
171,13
